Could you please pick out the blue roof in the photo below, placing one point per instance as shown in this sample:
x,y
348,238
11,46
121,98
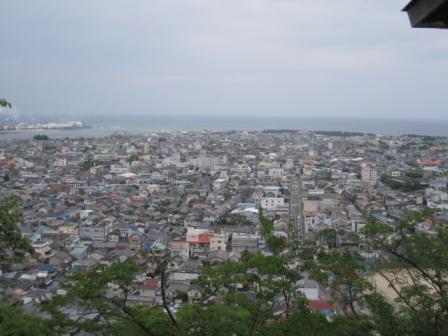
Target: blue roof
x,y
157,245
328,312
24,226
46,267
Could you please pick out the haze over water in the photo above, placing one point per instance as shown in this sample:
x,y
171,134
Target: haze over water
x,y
140,125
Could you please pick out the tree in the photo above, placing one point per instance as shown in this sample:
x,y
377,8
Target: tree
x,y
305,322
133,157
13,246
5,103
346,282
14,321
86,165
384,319
383,145
416,268
100,296
217,319
97,299
40,137
329,236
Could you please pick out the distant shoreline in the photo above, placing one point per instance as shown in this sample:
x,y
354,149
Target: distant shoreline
x,y
153,124
44,129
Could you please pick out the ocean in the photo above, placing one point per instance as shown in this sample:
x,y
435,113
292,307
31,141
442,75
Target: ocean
x,y
150,124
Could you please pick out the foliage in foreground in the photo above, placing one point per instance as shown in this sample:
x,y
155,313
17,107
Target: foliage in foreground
x,y
5,103
238,297
13,246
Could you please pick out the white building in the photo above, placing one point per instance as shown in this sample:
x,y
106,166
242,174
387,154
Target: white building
x,y
43,249
218,242
310,289
272,202
207,161
369,174
437,190
276,172
219,183
95,232
60,162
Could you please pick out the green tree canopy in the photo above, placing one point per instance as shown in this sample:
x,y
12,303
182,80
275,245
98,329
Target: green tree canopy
x,y
5,103
13,246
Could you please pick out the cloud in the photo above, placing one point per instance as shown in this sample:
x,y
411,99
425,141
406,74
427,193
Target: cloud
x,y
290,57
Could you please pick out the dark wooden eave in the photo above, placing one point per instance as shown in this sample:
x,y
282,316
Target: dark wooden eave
x,y
428,13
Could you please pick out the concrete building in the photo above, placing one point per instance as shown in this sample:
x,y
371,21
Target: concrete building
x,y
205,160
218,242
198,236
244,242
272,202
369,175
95,231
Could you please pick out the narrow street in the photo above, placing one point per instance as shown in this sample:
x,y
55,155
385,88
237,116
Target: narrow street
x,y
297,223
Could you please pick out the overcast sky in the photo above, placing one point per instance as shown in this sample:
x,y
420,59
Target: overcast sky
x,y
225,57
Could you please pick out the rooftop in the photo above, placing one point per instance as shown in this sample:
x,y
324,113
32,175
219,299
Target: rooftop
x,y
428,13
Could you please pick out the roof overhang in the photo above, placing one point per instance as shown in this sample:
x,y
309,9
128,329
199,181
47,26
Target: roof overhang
x,y
428,13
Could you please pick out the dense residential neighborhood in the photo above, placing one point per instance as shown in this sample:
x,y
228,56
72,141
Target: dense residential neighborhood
x,y
194,198
223,168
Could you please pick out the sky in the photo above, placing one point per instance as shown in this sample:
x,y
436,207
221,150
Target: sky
x,y
261,58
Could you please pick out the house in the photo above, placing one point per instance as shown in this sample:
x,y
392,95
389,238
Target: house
x,y
194,296
198,236
61,258
325,307
182,279
309,288
43,249
94,232
180,248
218,242
79,252
135,241
219,183
155,249
150,288
244,242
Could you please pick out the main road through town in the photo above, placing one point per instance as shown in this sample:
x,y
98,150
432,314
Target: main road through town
x,y
297,222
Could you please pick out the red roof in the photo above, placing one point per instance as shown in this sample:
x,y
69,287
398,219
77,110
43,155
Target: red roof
x,y
349,310
151,284
201,238
7,162
320,305
310,213
279,308
217,299
429,163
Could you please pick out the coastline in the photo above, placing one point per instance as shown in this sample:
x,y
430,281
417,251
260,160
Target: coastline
x,y
43,129
149,124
